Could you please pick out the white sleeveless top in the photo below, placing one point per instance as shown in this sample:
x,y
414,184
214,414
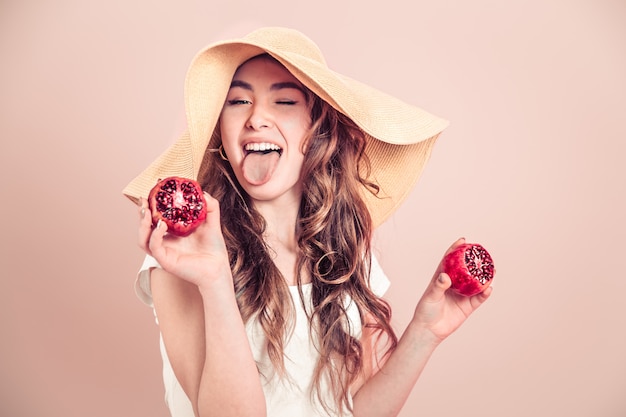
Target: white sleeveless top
x,y
284,398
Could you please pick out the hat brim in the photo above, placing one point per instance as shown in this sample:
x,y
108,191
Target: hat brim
x,y
400,136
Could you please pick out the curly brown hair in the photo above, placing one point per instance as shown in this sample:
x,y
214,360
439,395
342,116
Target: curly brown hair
x,y
334,232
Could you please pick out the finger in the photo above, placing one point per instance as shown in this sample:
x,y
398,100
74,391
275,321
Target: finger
x,y
478,299
460,241
142,208
144,211
457,243
437,288
145,224
155,241
213,206
212,212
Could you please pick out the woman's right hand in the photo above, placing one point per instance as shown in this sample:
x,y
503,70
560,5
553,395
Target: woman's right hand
x,y
199,258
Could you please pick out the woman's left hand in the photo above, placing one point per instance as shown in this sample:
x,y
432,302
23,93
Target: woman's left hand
x,y
441,312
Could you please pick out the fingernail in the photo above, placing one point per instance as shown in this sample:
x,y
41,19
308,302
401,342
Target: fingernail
x,y
143,212
441,278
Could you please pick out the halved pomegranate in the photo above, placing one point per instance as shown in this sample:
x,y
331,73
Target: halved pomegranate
x,y
470,268
178,202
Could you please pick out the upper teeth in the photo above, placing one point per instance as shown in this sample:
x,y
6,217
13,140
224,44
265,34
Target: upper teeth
x,y
262,147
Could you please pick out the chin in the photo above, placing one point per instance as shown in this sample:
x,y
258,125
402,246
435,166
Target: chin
x,y
268,193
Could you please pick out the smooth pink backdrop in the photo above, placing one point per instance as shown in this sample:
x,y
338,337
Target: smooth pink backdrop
x,y
531,166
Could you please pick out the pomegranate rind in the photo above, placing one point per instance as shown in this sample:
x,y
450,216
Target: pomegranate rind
x,y
473,278
185,214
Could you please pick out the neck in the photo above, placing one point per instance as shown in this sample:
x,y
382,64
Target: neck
x,y
280,219
280,234
280,214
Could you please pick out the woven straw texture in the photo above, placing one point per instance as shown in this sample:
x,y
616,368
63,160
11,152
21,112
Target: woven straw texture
x,y
400,136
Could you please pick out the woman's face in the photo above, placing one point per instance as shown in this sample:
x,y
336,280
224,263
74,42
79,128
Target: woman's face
x,y
263,124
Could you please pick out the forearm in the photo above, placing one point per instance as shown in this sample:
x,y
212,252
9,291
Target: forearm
x,y
437,315
230,383
207,345
385,393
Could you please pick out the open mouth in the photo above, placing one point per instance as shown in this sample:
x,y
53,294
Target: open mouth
x,y
263,148
260,161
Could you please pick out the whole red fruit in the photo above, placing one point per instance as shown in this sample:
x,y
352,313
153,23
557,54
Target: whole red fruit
x,y
179,202
470,268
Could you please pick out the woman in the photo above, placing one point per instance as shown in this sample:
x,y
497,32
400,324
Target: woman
x,y
273,305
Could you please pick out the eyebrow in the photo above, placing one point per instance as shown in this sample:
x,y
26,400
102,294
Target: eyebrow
x,y
273,87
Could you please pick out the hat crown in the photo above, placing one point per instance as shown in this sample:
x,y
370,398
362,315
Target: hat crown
x,y
286,41
399,136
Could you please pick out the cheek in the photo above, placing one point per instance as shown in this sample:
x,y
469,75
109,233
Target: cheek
x,y
295,130
224,125
227,130
229,140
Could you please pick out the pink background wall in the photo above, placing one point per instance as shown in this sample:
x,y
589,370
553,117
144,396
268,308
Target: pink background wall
x,y
532,167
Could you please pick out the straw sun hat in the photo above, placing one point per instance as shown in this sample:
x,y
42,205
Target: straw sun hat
x,y
400,136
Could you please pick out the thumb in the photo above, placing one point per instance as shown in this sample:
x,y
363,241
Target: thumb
x,y
438,286
213,211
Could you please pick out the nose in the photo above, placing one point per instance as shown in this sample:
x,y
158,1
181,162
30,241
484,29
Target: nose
x,y
259,118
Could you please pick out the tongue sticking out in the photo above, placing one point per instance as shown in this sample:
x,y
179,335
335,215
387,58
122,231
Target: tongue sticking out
x,y
258,167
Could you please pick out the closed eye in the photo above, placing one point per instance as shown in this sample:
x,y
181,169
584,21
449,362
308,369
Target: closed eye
x,y
238,101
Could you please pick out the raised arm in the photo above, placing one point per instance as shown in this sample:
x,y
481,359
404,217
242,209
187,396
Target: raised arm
x,y
437,315
202,329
